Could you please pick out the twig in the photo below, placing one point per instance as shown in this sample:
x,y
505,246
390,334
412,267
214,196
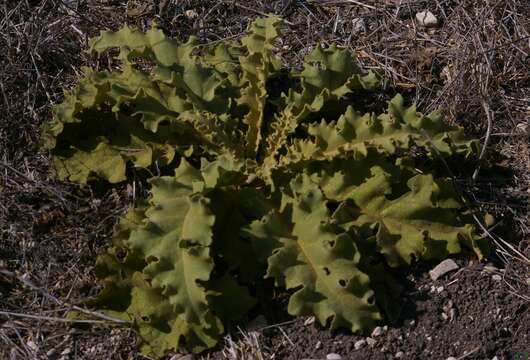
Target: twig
x,y
49,296
360,4
489,117
52,318
285,335
469,353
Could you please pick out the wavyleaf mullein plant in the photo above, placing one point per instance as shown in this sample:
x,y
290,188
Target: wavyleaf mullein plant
x,y
290,175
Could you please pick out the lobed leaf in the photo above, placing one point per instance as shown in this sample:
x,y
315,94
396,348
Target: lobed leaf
x,y
304,254
420,224
397,130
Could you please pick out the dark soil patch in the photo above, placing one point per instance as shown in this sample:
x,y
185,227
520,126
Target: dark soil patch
x,y
470,313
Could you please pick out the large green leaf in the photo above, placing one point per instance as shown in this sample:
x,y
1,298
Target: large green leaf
x,y
158,274
396,130
420,224
304,254
256,67
128,295
134,115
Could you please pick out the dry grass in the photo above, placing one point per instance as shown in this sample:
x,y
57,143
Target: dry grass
x,y
474,66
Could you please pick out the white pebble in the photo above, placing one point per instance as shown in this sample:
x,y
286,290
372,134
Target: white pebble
x,y
370,341
426,18
377,331
359,344
333,356
444,267
309,320
358,25
191,14
66,351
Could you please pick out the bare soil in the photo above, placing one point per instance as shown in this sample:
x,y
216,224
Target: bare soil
x,y
467,315
474,65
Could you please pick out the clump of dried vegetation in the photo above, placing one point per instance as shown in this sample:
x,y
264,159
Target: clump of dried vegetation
x,y
474,65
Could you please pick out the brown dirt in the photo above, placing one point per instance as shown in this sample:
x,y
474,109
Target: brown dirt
x,y
474,64
482,319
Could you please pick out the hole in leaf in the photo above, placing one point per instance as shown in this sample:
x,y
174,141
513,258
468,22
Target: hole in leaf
x,y
120,255
371,300
332,206
163,123
326,270
342,283
146,319
151,259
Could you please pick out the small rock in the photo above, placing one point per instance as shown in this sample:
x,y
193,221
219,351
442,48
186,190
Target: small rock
x,y
490,268
309,320
333,356
426,18
358,25
528,281
318,345
50,353
443,268
399,355
446,73
489,220
31,345
495,358
377,331
191,14
451,358
412,322
496,277
385,328
371,342
359,344
439,289
522,128
66,351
